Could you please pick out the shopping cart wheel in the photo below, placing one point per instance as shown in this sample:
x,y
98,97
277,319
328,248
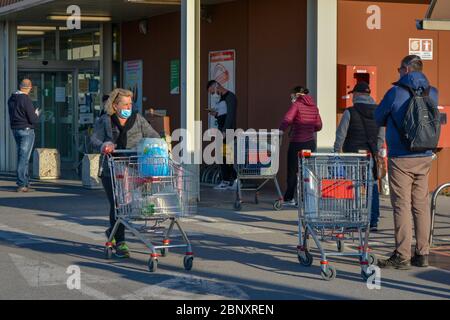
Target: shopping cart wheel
x,y
306,259
188,263
152,264
340,245
329,273
372,259
278,205
238,205
366,274
108,253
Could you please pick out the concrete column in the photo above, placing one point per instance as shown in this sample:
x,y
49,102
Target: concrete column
x,y
106,58
190,80
8,83
322,65
3,112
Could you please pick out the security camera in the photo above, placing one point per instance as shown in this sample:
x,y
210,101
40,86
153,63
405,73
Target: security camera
x,y
45,62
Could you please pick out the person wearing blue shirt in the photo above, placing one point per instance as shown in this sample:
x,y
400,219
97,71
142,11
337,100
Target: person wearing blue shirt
x,y
408,171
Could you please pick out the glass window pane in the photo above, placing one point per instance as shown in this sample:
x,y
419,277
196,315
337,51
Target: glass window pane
x,y
80,44
29,48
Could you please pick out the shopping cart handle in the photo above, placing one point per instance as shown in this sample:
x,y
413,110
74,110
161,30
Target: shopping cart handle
x,y
123,151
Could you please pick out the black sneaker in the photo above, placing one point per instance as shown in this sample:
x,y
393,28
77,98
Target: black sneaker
x,y
373,228
395,262
420,261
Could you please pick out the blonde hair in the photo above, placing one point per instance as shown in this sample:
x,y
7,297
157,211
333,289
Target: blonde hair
x,y
114,98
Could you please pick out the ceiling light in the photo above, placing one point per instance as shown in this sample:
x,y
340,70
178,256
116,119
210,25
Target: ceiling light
x,y
30,33
156,2
36,28
82,18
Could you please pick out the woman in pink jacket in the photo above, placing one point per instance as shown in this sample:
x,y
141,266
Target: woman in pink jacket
x,y
304,118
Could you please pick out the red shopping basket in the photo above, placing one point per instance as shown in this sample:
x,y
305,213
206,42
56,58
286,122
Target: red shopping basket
x,y
256,157
338,189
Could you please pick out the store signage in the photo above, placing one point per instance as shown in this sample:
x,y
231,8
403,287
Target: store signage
x,y
222,68
175,77
133,81
422,48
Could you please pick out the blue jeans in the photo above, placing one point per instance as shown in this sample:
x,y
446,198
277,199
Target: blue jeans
x,y
25,142
375,212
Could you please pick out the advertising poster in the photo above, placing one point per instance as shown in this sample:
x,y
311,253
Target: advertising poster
x,y
222,68
175,77
132,80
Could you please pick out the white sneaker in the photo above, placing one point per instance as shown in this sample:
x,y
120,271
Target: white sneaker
x,y
222,186
291,203
233,186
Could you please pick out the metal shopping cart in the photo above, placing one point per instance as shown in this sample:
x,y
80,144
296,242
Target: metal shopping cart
x,y
257,158
149,192
335,196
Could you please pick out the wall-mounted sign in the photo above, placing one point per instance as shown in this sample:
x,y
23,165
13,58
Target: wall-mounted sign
x,y
60,94
94,85
132,80
222,68
422,48
175,77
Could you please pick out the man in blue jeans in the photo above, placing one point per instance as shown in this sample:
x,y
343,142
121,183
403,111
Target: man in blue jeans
x,y
23,117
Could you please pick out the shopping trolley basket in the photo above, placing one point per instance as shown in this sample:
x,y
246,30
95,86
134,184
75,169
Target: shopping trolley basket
x,y
147,193
335,196
257,158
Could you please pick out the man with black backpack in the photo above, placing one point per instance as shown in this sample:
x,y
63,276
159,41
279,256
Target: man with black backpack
x,y
410,112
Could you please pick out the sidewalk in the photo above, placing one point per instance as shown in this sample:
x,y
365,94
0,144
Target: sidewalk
x,y
239,255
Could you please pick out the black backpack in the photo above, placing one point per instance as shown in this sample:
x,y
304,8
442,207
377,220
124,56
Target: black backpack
x,y
421,128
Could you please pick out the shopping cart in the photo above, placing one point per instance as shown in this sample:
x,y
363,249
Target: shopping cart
x,y
335,196
149,192
257,158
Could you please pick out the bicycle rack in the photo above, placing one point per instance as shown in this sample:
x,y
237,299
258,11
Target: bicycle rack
x,y
433,208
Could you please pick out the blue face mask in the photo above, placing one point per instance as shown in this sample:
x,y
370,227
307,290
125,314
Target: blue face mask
x,y
125,114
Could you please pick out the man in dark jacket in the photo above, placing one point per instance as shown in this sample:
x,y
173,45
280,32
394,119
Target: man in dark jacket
x,y
408,171
23,118
359,131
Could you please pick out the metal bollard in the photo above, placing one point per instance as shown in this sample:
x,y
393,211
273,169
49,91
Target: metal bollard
x,y
433,209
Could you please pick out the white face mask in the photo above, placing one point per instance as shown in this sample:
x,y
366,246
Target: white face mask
x,y
215,98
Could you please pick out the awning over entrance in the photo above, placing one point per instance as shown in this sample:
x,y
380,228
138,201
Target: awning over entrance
x,y
438,16
118,10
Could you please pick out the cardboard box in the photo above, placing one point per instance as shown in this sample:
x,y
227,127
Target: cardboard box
x,y
159,123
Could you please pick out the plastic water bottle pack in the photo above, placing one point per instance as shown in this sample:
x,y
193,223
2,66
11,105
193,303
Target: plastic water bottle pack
x,y
153,158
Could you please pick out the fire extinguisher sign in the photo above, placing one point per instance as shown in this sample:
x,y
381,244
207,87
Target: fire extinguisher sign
x,y
422,48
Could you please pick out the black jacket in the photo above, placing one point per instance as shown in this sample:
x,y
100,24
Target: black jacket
x,y
231,119
22,113
363,131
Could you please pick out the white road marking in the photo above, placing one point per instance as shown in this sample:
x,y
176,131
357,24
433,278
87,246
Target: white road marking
x,y
21,237
95,233
43,274
188,288
235,228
